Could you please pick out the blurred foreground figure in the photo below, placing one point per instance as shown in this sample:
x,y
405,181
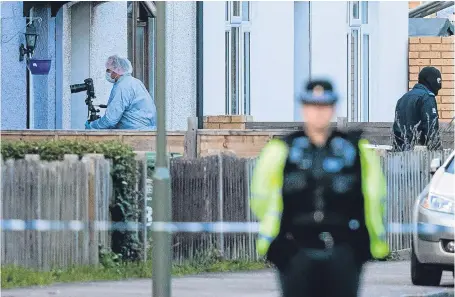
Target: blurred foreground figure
x,y
319,196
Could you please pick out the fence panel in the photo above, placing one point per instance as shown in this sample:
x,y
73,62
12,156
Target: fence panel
x,y
195,198
407,175
57,191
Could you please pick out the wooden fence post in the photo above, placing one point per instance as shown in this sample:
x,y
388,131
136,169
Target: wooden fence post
x,y
190,146
92,160
141,160
342,123
221,200
34,184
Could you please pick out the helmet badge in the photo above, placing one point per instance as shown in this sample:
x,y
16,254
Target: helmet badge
x,y
318,91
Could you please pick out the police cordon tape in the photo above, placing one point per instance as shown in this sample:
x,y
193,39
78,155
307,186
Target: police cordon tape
x,y
173,227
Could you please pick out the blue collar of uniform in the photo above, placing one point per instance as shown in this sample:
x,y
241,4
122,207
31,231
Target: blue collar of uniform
x,y
423,87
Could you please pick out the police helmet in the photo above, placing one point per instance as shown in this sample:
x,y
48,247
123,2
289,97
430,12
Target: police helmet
x,y
319,92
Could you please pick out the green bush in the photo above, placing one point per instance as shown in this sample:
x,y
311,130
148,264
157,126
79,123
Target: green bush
x,y
124,175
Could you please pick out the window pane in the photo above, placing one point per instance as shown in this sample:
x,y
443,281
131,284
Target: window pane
x,y
245,11
130,31
246,94
366,78
151,54
139,71
227,70
227,12
236,8
354,75
355,9
234,71
364,12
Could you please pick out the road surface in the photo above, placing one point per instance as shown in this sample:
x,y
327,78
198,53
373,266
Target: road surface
x,y
381,279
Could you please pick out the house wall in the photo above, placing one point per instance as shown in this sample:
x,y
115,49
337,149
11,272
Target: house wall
x,y
302,69
388,53
389,61
80,58
272,60
436,52
329,46
44,85
180,63
13,91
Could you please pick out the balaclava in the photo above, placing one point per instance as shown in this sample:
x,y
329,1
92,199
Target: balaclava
x,y
430,77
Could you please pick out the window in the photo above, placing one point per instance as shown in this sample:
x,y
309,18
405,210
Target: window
x,y
358,62
141,45
237,57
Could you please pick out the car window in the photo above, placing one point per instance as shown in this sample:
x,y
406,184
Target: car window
x,y
449,167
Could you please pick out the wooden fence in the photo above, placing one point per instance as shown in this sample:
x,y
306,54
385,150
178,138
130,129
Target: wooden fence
x,y
209,189
216,188
66,190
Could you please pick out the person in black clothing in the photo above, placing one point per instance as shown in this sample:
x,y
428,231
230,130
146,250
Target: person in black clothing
x,y
416,114
319,197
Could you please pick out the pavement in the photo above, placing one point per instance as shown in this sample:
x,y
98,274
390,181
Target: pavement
x,y
380,279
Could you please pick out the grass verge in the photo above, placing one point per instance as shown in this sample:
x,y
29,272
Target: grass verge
x,y
14,277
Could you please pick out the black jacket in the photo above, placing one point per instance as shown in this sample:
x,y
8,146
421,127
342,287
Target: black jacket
x,y
416,120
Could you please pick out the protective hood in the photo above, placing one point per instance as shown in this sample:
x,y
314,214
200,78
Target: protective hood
x,y
430,77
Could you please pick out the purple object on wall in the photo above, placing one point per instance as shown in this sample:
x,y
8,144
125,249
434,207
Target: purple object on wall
x,y
39,67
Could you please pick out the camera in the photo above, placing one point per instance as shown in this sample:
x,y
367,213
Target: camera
x,y
92,112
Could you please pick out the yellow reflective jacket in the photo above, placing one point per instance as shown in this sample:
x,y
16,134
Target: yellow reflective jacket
x,y
267,201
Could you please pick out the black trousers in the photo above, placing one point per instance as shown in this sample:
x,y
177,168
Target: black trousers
x,y
321,273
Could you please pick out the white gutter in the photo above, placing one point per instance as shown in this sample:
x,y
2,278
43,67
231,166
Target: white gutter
x,y
429,8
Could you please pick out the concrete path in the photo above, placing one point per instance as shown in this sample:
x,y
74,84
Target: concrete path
x,y
381,279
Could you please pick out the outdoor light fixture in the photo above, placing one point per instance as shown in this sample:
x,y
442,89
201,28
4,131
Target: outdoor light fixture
x,y
30,41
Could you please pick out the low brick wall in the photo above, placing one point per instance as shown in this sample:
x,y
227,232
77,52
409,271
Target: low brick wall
x,y
224,122
436,52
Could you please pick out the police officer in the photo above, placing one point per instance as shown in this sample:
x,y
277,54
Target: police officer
x,y
318,194
416,114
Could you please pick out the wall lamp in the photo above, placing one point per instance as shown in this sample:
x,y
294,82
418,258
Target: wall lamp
x,y
30,41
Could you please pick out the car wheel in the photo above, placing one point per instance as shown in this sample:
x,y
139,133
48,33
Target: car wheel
x,y
424,275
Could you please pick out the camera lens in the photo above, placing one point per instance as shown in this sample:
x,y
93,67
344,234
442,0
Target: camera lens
x,y
78,88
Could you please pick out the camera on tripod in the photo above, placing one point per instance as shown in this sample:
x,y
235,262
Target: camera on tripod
x,y
92,112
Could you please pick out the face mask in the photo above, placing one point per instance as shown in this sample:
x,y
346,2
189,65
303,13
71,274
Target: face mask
x,y
109,78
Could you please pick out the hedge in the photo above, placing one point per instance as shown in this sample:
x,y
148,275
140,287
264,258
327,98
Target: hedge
x,y
124,176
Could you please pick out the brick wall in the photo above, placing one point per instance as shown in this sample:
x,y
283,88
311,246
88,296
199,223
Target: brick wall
x,y
436,52
226,122
413,4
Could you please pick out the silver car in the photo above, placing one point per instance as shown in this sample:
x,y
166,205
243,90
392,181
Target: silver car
x,y
433,238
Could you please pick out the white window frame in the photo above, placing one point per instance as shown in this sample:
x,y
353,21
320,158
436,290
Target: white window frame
x,y
244,27
363,30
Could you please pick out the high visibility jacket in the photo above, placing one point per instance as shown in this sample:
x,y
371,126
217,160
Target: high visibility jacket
x,y
267,194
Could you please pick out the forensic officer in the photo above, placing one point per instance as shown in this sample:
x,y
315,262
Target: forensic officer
x,y
416,114
319,196
130,105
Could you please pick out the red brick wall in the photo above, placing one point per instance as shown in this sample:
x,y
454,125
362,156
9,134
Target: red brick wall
x,y
436,52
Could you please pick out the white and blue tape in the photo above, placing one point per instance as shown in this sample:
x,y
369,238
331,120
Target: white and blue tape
x,y
172,227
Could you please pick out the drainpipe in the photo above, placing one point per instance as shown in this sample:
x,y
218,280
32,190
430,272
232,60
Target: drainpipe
x,y
200,63
31,96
